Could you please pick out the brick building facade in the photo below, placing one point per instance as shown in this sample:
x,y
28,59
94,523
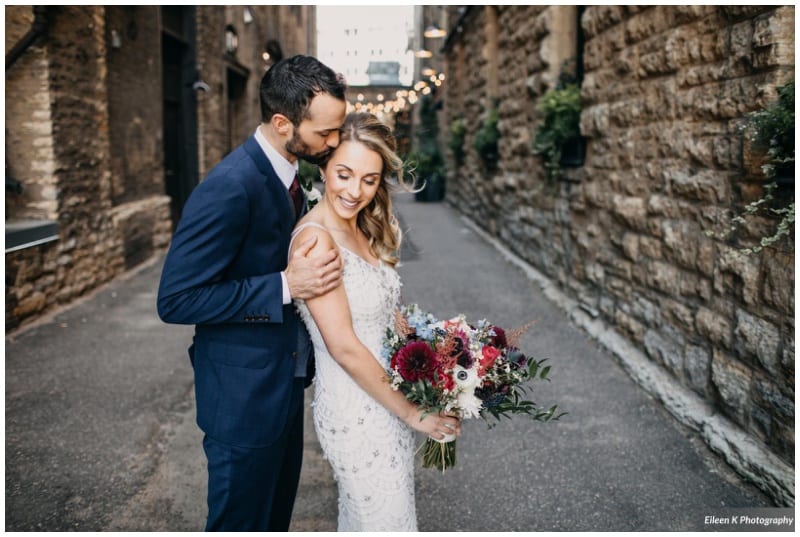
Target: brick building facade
x,y
113,114
665,92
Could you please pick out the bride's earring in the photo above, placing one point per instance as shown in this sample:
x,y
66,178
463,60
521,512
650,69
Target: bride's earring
x,y
322,176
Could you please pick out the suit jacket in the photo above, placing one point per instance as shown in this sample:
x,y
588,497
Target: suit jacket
x,y
222,274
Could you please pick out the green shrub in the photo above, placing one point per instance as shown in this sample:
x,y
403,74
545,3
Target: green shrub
x,y
771,130
561,114
458,132
486,138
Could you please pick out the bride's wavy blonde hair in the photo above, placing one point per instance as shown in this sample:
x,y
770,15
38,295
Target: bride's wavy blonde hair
x,y
377,220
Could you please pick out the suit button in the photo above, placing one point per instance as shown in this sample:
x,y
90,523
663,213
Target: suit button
x,y
294,354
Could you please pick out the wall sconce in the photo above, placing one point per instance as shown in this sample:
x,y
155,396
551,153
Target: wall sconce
x,y
247,16
423,54
116,42
434,32
231,40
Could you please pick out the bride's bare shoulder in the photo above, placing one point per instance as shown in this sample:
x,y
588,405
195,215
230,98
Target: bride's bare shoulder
x,y
309,230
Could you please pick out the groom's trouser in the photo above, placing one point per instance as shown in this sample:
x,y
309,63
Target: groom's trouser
x,y
253,489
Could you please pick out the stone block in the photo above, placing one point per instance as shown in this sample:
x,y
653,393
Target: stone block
x,y
774,28
767,395
681,242
778,290
650,247
631,211
630,246
664,351
698,368
737,275
664,277
787,357
595,121
732,380
646,310
756,337
677,314
31,305
705,256
629,325
707,185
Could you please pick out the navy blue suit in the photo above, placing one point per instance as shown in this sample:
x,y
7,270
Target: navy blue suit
x,y
222,274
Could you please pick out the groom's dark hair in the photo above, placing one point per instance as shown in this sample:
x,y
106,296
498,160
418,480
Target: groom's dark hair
x,y
288,87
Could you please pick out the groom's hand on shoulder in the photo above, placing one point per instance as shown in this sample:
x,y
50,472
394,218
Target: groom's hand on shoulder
x,y
315,268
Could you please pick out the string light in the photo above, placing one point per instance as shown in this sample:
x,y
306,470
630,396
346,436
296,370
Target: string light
x,y
386,109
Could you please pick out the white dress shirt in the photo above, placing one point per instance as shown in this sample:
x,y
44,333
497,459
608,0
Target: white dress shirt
x,y
286,171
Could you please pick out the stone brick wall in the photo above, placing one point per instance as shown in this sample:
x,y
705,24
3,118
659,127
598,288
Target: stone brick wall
x,y
72,87
84,135
29,149
666,92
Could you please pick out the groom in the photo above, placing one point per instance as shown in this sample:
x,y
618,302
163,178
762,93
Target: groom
x,y
227,273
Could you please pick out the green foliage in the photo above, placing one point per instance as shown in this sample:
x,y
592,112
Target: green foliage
x,y
771,130
561,114
425,160
458,132
486,138
513,403
308,173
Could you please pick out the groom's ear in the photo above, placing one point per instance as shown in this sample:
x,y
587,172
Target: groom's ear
x,y
281,124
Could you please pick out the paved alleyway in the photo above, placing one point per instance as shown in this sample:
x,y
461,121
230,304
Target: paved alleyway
x,y
100,431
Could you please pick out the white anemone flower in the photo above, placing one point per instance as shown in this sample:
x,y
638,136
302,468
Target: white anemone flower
x,y
466,381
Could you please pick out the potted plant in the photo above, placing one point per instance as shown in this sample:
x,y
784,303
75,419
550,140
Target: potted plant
x,y
558,138
458,132
486,138
427,166
426,161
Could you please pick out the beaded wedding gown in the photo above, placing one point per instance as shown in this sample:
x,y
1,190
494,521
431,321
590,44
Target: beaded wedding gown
x,y
370,450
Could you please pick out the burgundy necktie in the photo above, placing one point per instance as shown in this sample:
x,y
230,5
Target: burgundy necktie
x,y
297,195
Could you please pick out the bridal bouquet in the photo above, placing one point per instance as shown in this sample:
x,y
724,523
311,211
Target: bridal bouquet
x,y
475,371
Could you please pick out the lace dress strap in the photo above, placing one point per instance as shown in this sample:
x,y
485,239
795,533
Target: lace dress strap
x,y
301,227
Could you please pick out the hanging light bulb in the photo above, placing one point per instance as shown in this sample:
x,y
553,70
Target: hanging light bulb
x,y
434,32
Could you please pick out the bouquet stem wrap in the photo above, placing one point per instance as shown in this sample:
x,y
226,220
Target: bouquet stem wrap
x,y
439,454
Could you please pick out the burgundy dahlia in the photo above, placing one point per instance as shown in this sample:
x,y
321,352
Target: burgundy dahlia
x,y
416,361
499,338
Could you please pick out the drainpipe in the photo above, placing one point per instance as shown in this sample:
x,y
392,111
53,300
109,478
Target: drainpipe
x,y
37,29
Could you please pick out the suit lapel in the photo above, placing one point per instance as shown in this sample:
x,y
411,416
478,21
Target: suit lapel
x,y
265,167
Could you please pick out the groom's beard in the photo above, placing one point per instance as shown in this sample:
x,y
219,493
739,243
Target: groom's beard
x,y
297,147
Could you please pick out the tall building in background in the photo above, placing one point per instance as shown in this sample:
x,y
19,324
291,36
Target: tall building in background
x,y
360,40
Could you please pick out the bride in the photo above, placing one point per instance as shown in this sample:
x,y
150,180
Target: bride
x,y
364,427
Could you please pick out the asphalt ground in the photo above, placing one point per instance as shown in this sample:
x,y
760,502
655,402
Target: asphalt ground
x,y
100,431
